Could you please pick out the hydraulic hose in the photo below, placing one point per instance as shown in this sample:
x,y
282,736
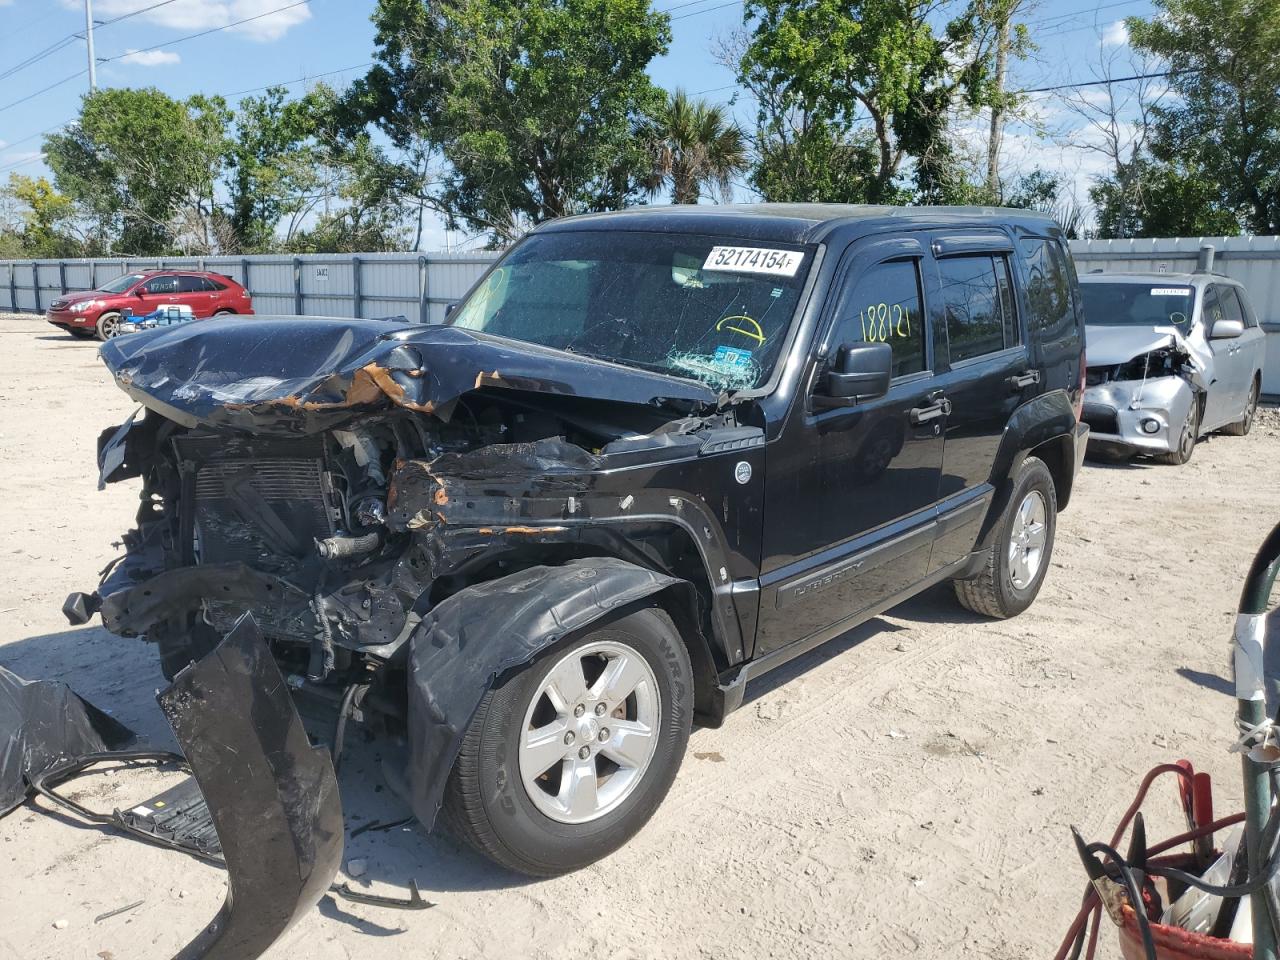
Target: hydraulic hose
x,y
337,548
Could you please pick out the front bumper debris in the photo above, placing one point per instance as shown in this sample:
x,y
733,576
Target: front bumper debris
x,y
272,796
1136,416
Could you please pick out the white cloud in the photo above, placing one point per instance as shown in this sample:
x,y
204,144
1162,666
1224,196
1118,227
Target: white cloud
x,y
1115,35
151,58
190,16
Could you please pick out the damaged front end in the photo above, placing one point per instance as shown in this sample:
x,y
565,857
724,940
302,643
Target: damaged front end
x,y
339,479
1143,386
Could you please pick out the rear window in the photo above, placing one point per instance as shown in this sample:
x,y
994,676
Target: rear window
x,y
1157,304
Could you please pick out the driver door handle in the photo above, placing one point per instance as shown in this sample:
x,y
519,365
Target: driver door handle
x,y
1021,381
939,406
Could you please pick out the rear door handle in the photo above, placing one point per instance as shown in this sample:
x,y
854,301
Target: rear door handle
x,y
940,407
1021,381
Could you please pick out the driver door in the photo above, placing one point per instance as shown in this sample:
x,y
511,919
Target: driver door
x,y
850,508
157,292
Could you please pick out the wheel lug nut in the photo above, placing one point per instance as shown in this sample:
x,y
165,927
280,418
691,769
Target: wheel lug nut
x,y
584,753
568,737
604,734
600,709
579,710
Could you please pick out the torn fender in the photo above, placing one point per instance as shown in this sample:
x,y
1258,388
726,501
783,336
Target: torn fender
x,y
473,637
43,722
273,797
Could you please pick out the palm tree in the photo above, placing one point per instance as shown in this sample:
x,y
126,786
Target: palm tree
x,y
694,146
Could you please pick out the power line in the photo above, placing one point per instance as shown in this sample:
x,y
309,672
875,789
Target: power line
x,y
310,76
32,96
134,13
204,33
694,13
1108,82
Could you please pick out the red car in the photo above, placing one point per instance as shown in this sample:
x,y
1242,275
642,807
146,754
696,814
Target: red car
x,y
97,312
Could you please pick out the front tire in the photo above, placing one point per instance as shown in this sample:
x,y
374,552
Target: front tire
x,y
1018,558
108,326
1187,437
567,759
1242,426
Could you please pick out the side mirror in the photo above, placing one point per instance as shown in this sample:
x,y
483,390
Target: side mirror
x,y
138,291
861,372
1226,330
449,308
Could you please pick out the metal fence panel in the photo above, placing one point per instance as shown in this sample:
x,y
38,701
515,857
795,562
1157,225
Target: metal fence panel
x,y
415,286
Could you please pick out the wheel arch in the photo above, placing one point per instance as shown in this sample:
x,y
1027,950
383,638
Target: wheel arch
x,y
1042,427
476,636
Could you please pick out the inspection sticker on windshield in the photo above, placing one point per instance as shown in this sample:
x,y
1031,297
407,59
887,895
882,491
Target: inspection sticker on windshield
x,y
1170,292
779,263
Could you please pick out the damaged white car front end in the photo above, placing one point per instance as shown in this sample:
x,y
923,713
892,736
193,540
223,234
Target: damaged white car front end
x,y
1143,387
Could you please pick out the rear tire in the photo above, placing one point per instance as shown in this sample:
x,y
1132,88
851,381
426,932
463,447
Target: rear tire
x,y
1187,437
508,796
1021,547
1242,426
108,326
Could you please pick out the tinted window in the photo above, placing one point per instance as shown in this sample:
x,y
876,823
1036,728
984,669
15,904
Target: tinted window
x,y
211,284
190,284
1120,304
883,305
162,285
1048,288
975,294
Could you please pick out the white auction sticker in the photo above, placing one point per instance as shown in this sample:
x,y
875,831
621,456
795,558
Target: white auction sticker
x,y
779,263
1170,292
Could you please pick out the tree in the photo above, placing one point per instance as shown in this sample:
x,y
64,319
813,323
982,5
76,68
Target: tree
x,y
270,168
694,147
1150,198
38,224
841,64
535,104
145,167
1222,133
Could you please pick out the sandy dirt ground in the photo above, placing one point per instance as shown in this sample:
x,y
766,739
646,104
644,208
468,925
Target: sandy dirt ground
x,y
904,791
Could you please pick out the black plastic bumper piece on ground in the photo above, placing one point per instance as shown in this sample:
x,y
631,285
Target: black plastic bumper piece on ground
x,y
273,797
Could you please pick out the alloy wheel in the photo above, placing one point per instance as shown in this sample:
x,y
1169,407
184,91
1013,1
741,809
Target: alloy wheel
x,y
590,732
1027,537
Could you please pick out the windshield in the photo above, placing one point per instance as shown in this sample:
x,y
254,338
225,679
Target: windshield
x,y
700,307
120,284
1138,304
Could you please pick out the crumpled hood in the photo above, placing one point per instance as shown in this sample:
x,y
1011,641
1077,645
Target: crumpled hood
x,y
1106,346
289,375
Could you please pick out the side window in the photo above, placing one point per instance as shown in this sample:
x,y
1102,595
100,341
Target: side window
x,y
1211,310
977,298
162,285
190,284
884,305
1048,288
1231,304
213,286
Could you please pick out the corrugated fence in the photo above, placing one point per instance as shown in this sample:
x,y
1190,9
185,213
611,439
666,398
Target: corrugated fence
x,y
419,287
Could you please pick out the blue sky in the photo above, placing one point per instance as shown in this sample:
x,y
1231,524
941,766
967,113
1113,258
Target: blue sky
x,y
334,39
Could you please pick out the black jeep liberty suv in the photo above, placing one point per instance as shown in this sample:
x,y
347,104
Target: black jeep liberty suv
x,y
650,456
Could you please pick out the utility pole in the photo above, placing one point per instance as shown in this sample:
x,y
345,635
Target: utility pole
x,y
88,36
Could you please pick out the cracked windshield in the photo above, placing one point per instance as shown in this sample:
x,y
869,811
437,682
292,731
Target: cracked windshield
x,y
706,308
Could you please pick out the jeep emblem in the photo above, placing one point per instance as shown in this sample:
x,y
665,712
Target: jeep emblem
x,y
742,472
